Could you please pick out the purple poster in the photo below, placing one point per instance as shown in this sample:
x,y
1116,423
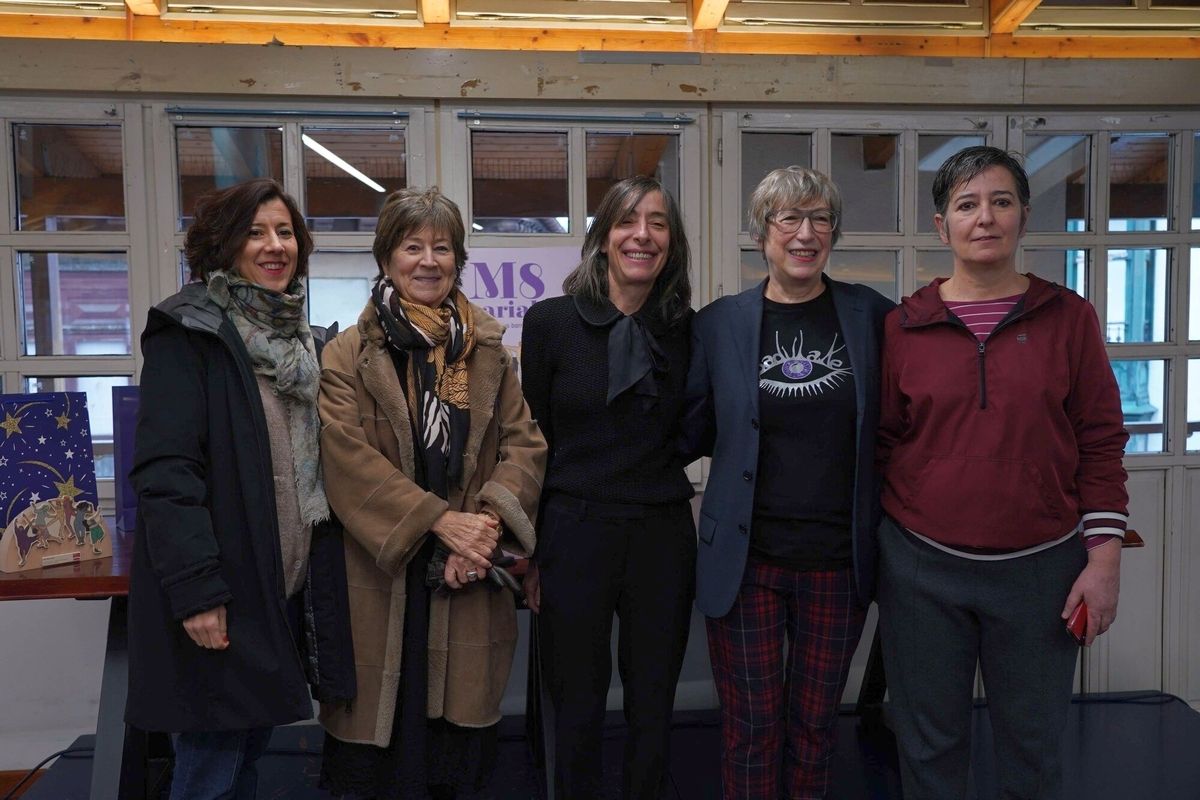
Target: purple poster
x,y
125,411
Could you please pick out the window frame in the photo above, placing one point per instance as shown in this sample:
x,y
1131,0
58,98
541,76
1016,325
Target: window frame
x,y
730,242
693,180
133,241
1007,131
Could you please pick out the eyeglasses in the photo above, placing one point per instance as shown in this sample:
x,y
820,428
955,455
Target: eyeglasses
x,y
822,220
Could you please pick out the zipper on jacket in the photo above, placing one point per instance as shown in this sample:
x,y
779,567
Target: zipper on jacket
x,y
982,375
982,349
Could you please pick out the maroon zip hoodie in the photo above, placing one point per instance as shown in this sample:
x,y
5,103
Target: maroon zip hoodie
x,y
1004,444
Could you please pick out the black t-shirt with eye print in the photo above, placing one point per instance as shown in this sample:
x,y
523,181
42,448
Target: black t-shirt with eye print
x,y
806,445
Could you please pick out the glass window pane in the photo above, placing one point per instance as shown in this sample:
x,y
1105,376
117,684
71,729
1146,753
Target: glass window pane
x,y
339,285
874,268
184,270
519,182
754,269
69,178
74,303
763,152
347,175
866,167
1193,404
100,409
1058,167
1143,400
1139,195
217,158
932,152
933,264
1196,182
1064,267
613,156
1137,295
1194,299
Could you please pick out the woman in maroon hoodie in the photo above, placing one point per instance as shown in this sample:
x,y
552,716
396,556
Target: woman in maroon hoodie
x,y
1000,447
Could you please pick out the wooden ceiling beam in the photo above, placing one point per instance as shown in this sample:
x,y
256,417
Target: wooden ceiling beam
x,y
149,8
158,29
707,15
1009,46
1007,15
434,12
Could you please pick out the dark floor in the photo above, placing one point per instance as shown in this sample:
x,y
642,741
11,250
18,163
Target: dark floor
x,y
1118,747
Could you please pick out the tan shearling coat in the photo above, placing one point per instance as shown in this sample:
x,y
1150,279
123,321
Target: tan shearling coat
x,y
368,460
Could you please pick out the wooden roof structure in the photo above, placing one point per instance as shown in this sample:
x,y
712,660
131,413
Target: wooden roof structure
x,y
1102,29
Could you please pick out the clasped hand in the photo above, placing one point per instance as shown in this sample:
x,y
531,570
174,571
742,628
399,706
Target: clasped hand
x,y
472,536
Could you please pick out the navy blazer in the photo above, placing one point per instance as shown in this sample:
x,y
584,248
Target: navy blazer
x,y
721,420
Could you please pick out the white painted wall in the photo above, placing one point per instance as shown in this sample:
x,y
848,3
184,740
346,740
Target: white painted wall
x,y
51,661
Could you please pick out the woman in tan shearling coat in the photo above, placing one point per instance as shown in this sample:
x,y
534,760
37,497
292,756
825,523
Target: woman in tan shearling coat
x,y
431,458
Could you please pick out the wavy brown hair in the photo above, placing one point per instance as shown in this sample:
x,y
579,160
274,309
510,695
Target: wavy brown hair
x,y
221,224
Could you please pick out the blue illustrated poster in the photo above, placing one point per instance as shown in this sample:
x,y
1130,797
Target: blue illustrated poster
x,y
49,509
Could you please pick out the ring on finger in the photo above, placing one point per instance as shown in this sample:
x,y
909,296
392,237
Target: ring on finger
x,y
472,575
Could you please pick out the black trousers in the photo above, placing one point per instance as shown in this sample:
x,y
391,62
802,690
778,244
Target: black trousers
x,y
639,562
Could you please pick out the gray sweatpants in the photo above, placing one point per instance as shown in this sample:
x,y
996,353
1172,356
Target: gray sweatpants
x,y
940,614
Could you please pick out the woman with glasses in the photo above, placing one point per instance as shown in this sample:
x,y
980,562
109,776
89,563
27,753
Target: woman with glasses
x,y
783,393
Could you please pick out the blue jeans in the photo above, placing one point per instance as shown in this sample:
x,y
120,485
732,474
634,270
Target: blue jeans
x,y
218,765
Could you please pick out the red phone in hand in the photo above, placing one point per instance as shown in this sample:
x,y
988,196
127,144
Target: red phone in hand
x,y
1077,623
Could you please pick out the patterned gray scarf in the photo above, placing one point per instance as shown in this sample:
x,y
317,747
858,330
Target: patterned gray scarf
x,y
274,327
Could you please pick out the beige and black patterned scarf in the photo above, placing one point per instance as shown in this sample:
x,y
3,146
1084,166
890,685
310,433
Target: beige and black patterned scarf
x,y
430,347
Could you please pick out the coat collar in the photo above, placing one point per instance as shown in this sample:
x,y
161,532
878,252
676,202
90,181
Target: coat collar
x,y
603,313
925,306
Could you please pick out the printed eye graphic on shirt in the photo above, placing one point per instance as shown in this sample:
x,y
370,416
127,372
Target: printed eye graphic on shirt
x,y
788,373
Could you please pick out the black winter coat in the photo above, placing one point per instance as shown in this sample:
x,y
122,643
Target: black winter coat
x,y
207,534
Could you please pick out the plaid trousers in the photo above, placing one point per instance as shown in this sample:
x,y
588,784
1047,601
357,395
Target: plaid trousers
x,y
779,713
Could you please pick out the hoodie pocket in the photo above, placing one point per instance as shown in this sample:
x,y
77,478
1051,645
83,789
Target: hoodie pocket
x,y
964,492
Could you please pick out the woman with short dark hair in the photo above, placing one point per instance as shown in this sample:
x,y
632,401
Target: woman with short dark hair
x,y
229,487
1001,439
603,368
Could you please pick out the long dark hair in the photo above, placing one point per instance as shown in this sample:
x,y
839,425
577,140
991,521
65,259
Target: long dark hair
x,y
673,285
222,221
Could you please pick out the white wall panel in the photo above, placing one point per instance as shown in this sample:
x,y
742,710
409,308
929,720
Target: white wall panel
x,y
1129,656
1187,629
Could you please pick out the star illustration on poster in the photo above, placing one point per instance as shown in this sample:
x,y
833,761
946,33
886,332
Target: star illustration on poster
x,y
48,480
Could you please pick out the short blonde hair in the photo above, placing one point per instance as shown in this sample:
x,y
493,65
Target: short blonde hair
x,y
791,187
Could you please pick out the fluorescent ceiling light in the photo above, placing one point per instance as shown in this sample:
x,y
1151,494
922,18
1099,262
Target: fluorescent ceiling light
x,y
339,162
